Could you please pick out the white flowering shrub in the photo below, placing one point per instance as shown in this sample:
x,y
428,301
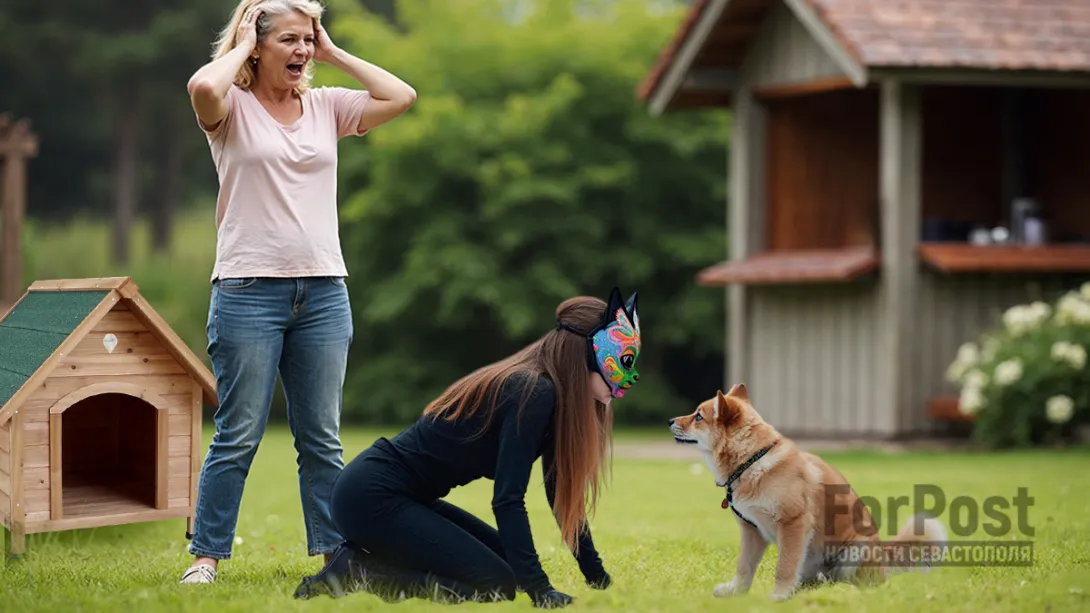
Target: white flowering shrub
x,y
1027,381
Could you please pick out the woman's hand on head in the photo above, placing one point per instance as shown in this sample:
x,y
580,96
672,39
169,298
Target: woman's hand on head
x,y
323,47
247,29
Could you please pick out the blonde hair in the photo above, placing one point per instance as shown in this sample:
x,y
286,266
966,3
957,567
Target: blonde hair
x,y
228,38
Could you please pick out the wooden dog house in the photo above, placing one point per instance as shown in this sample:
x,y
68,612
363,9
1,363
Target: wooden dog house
x,y
100,411
868,139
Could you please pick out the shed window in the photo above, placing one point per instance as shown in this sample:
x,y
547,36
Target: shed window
x,y
983,147
821,165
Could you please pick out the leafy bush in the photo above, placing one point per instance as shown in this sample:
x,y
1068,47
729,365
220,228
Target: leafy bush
x,y
1026,381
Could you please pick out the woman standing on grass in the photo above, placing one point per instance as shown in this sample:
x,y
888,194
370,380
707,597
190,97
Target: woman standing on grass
x,y
279,301
551,399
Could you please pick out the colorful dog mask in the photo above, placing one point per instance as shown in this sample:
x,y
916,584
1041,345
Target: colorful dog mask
x,y
613,346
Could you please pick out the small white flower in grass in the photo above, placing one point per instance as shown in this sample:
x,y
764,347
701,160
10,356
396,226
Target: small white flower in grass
x,y
1008,372
1059,409
970,401
238,540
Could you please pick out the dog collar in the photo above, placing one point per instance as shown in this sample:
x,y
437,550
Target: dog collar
x,y
728,502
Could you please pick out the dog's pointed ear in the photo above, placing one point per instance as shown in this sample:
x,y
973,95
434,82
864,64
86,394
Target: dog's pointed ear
x,y
726,411
719,402
739,391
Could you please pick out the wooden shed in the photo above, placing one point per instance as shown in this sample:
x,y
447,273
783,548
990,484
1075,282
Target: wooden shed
x,y
100,411
874,146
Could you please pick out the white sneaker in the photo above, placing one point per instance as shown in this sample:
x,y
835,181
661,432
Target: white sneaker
x,y
201,573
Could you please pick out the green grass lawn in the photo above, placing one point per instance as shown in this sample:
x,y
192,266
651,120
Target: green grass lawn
x,y
660,529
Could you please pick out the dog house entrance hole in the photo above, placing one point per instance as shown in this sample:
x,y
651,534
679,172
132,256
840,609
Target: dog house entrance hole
x,y
108,456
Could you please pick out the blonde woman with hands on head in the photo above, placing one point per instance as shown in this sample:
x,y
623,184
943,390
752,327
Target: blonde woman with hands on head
x,y
279,302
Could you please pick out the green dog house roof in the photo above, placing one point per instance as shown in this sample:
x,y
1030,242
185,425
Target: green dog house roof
x,y
53,316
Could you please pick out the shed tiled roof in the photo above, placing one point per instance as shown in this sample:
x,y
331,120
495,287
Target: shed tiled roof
x,y
1049,35
990,34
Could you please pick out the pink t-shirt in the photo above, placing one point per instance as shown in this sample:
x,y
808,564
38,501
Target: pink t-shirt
x,y
276,214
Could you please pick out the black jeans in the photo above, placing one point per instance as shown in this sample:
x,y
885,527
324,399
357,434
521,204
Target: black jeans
x,y
419,543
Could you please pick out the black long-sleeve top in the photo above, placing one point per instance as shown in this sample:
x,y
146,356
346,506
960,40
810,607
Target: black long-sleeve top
x,y
441,455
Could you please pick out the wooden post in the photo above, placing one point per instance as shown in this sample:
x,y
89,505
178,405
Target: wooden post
x,y
740,207
17,143
16,545
901,169
746,216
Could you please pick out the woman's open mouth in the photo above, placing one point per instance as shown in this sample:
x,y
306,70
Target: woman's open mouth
x,y
296,69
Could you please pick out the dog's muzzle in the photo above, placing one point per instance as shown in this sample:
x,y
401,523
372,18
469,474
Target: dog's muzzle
x,y
680,437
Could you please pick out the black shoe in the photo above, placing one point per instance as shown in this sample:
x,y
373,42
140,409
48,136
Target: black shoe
x,y
334,580
377,578
349,570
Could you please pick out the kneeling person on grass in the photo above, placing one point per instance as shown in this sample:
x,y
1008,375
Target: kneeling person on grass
x,y
551,399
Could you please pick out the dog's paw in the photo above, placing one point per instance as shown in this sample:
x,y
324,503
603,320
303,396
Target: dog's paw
x,y
781,595
730,588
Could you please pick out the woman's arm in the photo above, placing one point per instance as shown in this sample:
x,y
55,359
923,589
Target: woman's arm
x,y
390,96
590,563
521,437
208,86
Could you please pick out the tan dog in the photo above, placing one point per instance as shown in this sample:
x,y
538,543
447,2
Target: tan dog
x,y
780,494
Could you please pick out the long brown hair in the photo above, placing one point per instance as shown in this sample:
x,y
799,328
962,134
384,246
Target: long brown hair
x,y
583,427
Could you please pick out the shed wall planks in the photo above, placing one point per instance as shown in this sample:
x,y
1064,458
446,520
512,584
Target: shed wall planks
x,y
815,352
784,52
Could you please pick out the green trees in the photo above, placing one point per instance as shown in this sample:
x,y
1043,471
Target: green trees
x,y
526,173
104,85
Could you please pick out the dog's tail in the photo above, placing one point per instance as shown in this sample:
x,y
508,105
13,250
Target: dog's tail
x,y
919,545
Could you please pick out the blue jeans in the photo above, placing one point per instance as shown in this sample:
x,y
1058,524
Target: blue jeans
x,y
301,328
